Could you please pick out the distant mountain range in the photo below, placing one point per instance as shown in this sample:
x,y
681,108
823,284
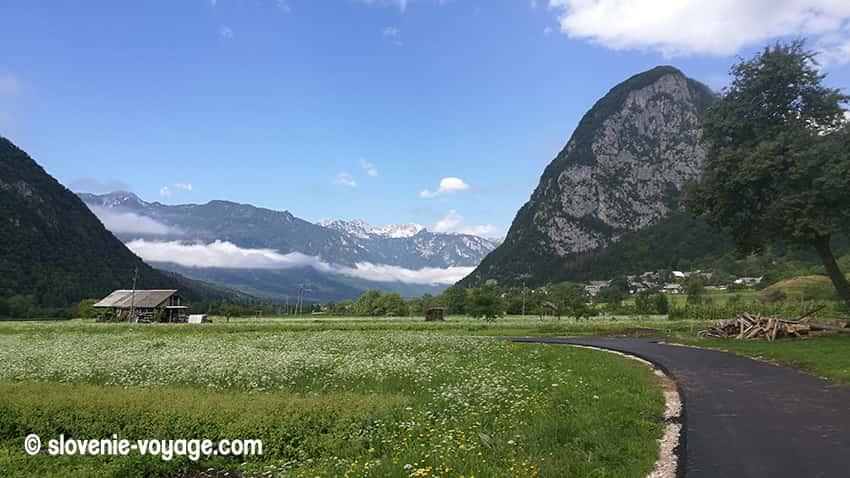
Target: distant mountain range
x,y
268,253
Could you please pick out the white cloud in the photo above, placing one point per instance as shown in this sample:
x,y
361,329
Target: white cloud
x,y
282,5
454,223
124,222
427,275
400,4
225,33
717,27
345,179
9,85
221,254
183,186
392,34
447,186
370,168
164,192
226,255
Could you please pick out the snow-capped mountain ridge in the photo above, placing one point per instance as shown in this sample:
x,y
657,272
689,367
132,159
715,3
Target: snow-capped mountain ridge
x,y
347,243
362,229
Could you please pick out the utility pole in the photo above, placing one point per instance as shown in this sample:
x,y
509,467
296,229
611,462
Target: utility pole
x,y
133,296
302,288
300,301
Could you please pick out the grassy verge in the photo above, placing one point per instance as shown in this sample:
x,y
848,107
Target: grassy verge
x,y
374,402
827,356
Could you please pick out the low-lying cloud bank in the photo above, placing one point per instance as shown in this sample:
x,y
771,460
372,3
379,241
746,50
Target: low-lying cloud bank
x,y
124,222
226,255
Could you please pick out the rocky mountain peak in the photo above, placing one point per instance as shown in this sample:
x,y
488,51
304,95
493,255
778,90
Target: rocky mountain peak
x,y
115,199
622,170
362,229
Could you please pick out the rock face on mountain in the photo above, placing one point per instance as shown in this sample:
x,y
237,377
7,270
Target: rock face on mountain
x,y
622,171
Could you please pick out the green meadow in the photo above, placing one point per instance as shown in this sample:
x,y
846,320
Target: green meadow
x,y
331,397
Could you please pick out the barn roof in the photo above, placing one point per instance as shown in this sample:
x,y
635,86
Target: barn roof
x,y
145,299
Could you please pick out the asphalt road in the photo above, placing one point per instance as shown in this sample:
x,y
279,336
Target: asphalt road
x,y
744,418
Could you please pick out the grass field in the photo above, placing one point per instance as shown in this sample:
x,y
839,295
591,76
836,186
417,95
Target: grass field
x,y
337,397
827,356
461,325
453,325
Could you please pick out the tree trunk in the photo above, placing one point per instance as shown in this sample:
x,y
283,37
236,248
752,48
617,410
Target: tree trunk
x,y
839,280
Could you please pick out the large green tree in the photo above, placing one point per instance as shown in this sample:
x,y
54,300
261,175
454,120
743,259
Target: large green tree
x,y
393,305
369,304
569,299
485,302
454,299
695,289
778,160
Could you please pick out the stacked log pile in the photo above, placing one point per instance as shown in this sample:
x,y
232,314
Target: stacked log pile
x,y
752,327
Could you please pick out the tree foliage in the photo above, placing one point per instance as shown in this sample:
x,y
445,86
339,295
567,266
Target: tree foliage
x,y
454,299
695,289
485,302
651,302
569,300
615,293
778,162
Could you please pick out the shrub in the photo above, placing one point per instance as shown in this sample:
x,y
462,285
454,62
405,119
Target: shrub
x,y
651,302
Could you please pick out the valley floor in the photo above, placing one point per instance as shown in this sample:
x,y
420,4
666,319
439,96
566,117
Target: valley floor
x,y
346,396
333,397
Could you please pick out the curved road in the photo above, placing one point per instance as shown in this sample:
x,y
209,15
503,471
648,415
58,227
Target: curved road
x,y
745,418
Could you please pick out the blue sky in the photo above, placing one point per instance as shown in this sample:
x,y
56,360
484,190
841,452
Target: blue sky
x,y
353,108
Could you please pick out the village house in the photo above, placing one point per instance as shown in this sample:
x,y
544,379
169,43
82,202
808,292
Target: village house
x,y
643,282
680,275
672,288
594,286
146,305
749,281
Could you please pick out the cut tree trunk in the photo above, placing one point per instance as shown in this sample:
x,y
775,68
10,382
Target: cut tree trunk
x,y
839,280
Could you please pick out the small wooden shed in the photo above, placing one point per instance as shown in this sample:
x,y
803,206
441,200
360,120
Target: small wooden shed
x,y
434,314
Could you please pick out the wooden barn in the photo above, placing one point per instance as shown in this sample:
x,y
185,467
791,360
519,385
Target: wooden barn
x,y
435,314
146,305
